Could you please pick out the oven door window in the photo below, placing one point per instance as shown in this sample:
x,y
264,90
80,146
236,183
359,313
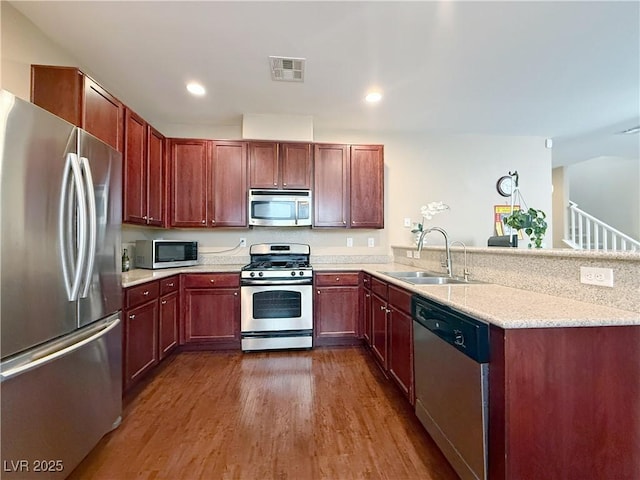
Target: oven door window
x,y
273,210
277,304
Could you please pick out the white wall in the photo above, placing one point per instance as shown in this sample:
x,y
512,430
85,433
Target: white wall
x,y
419,167
609,189
23,44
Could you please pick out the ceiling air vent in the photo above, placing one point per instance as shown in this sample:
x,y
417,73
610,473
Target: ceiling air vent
x,y
287,69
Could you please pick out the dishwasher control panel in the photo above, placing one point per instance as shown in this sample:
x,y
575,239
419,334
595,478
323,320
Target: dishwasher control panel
x,y
465,333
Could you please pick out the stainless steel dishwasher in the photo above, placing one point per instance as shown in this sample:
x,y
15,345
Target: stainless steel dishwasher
x,y
451,363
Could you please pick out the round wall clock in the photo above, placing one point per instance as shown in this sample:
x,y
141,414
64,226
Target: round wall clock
x,y
505,186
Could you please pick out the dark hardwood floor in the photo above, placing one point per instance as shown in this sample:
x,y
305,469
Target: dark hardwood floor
x,y
327,413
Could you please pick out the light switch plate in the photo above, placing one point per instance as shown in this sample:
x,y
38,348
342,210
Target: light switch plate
x,y
602,277
409,254
349,241
407,222
371,242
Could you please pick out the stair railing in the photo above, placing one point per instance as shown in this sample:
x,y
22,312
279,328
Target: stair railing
x,y
586,232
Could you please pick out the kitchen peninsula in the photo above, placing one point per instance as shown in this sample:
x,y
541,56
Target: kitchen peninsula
x,y
564,373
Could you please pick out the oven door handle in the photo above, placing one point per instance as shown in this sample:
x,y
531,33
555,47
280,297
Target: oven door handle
x,y
255,283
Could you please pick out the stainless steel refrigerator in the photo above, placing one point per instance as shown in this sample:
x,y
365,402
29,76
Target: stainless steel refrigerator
x,y
60,291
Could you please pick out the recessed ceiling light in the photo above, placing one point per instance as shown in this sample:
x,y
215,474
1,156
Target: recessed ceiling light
x,y
373,97
196,89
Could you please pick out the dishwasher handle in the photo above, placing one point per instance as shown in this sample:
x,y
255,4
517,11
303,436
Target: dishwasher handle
x,y
466,334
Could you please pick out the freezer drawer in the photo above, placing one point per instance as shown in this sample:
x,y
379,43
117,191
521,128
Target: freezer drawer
x,y
58,403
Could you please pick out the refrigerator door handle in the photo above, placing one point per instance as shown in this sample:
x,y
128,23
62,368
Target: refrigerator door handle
x,y
69,345
72,279
92,216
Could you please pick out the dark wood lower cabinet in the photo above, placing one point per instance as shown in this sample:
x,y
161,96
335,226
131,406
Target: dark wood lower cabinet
x,y
336,308
168,324
212,310
141,341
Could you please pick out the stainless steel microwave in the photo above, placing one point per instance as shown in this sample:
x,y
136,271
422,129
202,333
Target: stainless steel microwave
x,y
280,208
154,254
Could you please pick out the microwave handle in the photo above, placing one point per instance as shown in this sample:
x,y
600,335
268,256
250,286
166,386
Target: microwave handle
x,y
296,211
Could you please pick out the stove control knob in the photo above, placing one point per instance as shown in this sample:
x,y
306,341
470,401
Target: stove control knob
x,y
293,274
252,274
301,273
260,274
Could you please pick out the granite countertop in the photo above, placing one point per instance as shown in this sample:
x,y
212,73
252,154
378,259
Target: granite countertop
x,y
506,307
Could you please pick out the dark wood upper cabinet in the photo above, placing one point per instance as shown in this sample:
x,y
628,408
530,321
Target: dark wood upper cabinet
x,y
331,185
143,173
135,170
295,165
208,183
228,184
75,97
348,186
156,177
275,165
188,167
366,186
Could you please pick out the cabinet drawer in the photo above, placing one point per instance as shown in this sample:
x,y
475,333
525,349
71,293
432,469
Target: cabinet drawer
x,y
209,280
142,293
336,278
400,298
379,288
168,285
366,281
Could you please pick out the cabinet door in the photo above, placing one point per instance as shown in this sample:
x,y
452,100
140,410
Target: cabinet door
x,y
141,341
401,351
168,324
189,160
367,186
58,90
263,165
366,316
135,170
155,177
295,165
336,315
331,189
103,114
212,315
228,182
379,330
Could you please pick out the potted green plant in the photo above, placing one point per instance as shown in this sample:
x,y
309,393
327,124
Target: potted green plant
x,y
533,223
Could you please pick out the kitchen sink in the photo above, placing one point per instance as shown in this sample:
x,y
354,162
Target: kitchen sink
x,y
427,278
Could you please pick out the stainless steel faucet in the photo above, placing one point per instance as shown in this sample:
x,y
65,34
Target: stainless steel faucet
x,y
447,253
465,272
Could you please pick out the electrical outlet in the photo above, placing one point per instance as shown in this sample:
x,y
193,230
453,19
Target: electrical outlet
x,y
416,254
602,277
243,242
371,242
407,222
409,254
349,242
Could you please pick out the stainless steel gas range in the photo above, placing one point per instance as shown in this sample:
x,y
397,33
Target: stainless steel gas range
x,y
276,290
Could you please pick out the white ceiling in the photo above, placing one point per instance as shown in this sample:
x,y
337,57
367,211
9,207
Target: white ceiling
x,y
563,70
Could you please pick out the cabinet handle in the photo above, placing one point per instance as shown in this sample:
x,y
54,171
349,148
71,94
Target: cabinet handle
x,y
235,294
170,284
381,307
150,218
212,280
367,295
388,311
337,279
164,302
318,292
144,217
285,184
204,221
344,222
275,184
145,293
131,317
212,222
